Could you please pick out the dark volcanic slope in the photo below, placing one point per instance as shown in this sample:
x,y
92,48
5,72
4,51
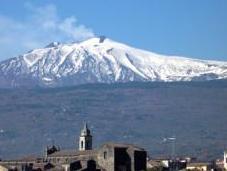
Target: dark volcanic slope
x,y
140,113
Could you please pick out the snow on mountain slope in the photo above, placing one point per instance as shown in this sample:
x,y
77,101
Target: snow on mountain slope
x,y
102,60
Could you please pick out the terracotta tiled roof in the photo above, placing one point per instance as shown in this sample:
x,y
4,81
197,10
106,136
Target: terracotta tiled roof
x,y
198,164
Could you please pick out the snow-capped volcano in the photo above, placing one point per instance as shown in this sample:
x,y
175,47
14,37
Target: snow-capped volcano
x,y
101,60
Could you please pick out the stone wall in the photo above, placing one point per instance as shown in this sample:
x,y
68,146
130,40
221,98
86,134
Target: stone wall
x,y
105,158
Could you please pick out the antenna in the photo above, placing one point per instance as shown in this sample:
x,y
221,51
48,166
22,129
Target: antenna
x,y
53,142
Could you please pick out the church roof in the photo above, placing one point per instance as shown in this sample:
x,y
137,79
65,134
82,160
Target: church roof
x,y
73,153
26,159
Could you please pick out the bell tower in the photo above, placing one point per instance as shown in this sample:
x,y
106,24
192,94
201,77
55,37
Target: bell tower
x,y
225,160
85,140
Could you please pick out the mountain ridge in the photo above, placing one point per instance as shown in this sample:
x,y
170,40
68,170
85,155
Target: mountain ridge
x,y
101,60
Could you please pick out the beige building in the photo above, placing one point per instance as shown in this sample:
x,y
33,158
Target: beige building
x,y
4,168
199,166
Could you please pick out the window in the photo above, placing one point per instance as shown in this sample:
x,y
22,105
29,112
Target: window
x,y
105,155
82,144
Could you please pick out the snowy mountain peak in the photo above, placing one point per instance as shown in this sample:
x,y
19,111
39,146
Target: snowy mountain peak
x,y
100,59
53,44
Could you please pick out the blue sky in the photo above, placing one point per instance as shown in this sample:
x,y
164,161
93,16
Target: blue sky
x,y
191,28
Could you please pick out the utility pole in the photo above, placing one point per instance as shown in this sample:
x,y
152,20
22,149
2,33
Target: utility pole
x,y
172,140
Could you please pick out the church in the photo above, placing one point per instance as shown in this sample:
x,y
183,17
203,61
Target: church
x,y
108,157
